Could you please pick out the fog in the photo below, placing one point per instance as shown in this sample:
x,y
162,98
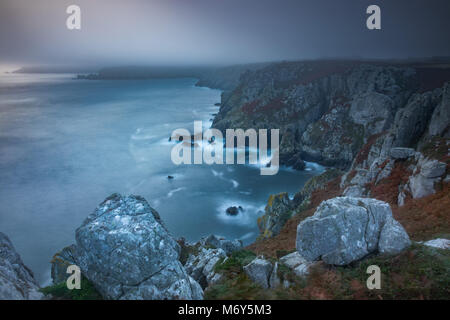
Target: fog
x,y
115,32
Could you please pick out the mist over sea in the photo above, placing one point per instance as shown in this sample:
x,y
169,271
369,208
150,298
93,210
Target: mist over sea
x,y
65,145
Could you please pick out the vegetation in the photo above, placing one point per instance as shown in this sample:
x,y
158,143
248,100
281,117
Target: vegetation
x,y
60,292
419,272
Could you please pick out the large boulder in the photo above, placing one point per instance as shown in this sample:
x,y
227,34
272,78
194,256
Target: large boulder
x,y
124,249
346,229
260,271
17,282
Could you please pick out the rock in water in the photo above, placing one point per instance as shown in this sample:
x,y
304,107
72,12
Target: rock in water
x,y
232,211
16,280
346,229
124,249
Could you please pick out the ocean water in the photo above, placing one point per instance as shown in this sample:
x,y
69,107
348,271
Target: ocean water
x,y
65,145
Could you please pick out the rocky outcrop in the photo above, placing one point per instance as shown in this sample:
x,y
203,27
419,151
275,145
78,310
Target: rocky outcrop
x,y
278,210
346,229
328,110
280,207
124,249
17,282
425,175
60,262
228,246
295,262
263,273
325,110
201,266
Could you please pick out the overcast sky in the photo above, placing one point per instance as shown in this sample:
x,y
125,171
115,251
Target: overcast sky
x,y
118,32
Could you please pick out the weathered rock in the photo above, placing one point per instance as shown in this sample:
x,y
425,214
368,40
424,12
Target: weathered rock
x,y
124,249
60,262
440,120
259,271
438,243
229,246
402,153
297,263
201,266
274,279
346,229
233,211
426,174
278,210
17,282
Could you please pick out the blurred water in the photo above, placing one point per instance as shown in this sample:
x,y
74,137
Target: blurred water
x,y
66,144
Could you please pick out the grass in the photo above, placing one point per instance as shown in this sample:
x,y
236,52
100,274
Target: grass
x,y
236,262
60,292
419,272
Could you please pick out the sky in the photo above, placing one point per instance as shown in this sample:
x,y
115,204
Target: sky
x,y
198,32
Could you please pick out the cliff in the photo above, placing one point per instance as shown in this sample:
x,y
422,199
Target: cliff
x,y
327,110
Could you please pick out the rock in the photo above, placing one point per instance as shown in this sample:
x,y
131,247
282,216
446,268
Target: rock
x,y
296,263
440,119
402,153
201,266
432,169
438,243
401,198
124,249
259,271
229,246
60,262
17,282
278,210
346,229
233,211
426,174
354,191
274,279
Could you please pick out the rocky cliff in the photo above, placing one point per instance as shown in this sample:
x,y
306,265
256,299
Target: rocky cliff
x,y
16,279
327,110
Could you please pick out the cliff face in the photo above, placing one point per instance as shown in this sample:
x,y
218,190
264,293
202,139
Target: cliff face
x,y
327,110
16,279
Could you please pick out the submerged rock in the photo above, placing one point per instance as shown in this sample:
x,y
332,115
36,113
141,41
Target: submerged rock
x,y
346,229
125,250
17,282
